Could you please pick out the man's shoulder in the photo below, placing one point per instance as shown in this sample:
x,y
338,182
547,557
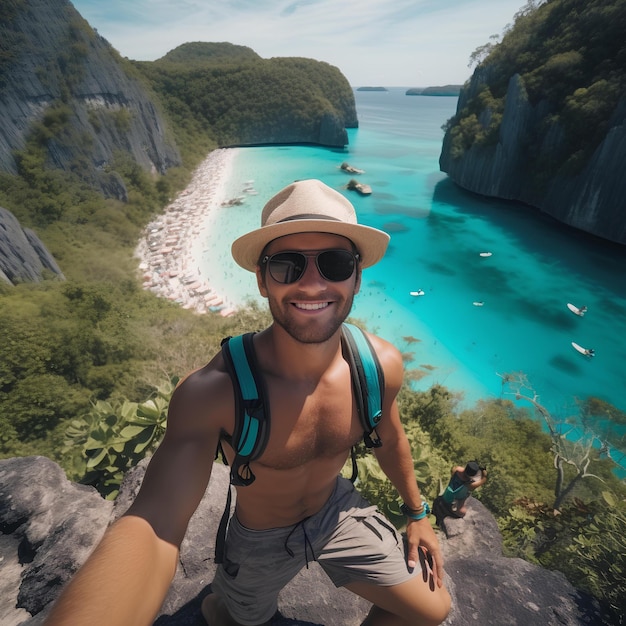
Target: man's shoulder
x,y
380,345
211,379
390,359
205,392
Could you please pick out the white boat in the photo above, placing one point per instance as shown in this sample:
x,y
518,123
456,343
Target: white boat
x,y
575,310
585,351
419,292
478,303
486,253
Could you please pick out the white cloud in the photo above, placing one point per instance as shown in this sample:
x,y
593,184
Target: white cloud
x,y
373,42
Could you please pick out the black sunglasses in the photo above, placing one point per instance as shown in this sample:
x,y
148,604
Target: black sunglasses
x,y
288,267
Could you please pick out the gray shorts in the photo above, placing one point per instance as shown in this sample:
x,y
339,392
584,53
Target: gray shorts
x,y
348,537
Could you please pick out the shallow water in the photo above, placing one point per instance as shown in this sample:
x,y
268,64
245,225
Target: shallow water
x,y
537,266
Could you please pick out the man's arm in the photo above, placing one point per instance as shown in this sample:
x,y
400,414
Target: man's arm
x,y
395,459
126,578
481,481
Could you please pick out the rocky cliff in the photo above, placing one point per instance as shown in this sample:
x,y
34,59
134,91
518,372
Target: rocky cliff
x,y
55,70
591,200
50,525
542,120
23,257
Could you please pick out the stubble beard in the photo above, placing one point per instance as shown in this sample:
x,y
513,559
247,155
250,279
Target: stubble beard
x,y
308,333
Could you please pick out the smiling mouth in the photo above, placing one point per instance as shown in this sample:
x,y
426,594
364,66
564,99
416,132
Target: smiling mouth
x,y
311,306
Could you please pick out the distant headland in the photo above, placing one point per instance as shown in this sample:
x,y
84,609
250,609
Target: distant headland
x,y
445,90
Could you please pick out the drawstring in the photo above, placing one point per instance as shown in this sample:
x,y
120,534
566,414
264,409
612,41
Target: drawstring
x,y
307,543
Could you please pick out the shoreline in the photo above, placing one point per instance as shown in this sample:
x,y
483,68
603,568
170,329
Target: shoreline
x,y
167,254
184,258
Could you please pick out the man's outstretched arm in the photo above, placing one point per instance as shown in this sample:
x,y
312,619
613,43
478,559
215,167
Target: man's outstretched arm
x,y
125,580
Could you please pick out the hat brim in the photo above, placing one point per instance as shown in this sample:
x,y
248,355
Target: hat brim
x,y
371,243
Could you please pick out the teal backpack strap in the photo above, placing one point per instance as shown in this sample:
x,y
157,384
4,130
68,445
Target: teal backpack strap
x,y
252,413
368,382
252,421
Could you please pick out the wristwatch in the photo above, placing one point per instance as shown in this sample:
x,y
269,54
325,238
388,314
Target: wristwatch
x,y
416,514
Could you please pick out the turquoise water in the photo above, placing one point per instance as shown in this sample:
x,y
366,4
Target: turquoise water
x,y
537,266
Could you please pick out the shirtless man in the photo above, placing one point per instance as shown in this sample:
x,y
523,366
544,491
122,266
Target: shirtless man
x,y
297,509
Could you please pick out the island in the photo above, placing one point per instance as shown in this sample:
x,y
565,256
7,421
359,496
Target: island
x,y
445,90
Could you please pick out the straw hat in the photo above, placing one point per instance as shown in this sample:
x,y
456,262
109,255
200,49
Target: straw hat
x,y
309,206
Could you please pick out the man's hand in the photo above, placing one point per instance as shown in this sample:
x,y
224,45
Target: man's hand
x,y
423,548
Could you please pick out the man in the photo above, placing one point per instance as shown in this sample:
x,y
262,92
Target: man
x,y
463,481
307,255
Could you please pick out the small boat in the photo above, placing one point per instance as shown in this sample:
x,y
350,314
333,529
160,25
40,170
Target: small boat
x,y
234,201
346,167
584,351
419,292
354,185
576,310
486,253
478,303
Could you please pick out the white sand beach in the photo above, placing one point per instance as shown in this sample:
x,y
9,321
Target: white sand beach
x,y
168,249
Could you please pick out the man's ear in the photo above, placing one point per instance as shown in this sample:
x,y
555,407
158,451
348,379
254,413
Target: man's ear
x,y
260,281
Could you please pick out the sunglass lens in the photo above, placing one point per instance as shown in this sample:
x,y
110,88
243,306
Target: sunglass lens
x,y
336,265
287,267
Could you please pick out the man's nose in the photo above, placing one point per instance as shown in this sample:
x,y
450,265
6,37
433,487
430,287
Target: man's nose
x,y
312,276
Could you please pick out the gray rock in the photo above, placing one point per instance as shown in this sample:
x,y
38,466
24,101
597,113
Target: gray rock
x,y
49,525
491,589
23,257
55,522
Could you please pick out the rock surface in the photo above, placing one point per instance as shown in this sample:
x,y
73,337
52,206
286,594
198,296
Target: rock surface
x,y
49,525
23,257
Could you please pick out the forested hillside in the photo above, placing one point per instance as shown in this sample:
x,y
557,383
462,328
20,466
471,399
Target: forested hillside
x,y
241,99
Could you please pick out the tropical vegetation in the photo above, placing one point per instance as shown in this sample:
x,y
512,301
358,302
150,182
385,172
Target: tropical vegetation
x,y
89,363
229,93
571,58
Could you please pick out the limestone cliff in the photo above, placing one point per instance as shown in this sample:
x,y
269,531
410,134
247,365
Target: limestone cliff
x,y
543,119
54,69
591,200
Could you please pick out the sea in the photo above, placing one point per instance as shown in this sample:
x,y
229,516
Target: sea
x,y
480,317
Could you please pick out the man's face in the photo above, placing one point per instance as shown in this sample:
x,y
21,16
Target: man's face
x,y
312,308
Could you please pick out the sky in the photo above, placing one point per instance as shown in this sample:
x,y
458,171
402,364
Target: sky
x,y
404,43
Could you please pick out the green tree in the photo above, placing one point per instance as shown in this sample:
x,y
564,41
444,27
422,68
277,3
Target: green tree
x,y
577,454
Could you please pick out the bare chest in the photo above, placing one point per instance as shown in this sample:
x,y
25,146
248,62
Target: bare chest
x,y
310,423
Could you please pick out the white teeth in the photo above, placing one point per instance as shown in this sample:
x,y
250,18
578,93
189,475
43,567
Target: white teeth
x,y
312,306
